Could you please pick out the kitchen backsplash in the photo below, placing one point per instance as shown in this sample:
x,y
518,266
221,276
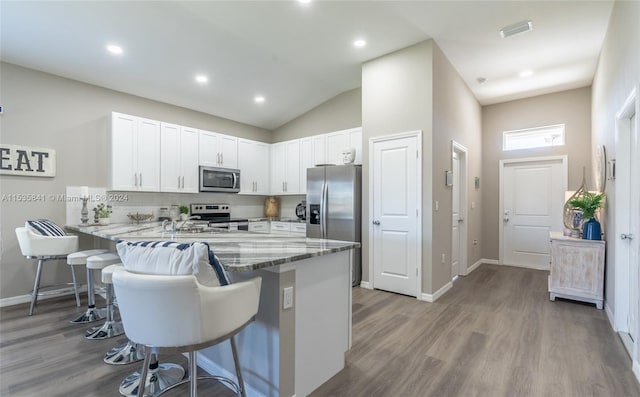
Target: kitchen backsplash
x,y
124,203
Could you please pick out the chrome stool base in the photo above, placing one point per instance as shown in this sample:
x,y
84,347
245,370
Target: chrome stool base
x,y
108,330
160,378
92,314
127,354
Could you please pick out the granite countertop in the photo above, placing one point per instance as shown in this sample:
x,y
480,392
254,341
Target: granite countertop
x,y
292,220
237,250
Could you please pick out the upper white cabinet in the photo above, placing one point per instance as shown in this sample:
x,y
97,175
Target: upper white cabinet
x,y
179,165
134,153
218,150
319,149
306,161
337,142
285,167
253,161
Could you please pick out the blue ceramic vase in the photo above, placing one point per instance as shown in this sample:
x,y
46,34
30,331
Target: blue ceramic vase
x,y
591,230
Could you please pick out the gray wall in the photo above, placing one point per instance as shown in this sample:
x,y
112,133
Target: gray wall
x,y
456,116
617,74
573,108
338,113
47,111
397,96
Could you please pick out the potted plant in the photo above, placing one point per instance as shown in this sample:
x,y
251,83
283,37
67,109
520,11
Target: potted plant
x,y
589,203
103,212
184,212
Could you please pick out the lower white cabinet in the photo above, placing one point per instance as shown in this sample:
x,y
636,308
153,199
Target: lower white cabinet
x,y
299,229
577,269
259,227
280,227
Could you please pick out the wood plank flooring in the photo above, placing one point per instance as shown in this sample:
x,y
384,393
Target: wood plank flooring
x,y
495,333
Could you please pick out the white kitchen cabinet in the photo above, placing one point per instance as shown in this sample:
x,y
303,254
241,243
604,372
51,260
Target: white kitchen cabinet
x,y
179,161
306,161
577,269
298,229
134,153
285,167
319,149
253,161
337,142
218,150
259,227
278,227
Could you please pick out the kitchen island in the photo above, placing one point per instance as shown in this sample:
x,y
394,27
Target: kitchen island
x,y
285,352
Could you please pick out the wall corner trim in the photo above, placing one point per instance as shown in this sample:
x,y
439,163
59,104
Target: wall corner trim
x,y
490,261
610,315
365,285
437,294
474,267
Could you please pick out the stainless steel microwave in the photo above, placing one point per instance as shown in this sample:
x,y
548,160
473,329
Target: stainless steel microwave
x,y
214,179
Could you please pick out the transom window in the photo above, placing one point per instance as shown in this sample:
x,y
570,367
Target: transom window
x,y
529,138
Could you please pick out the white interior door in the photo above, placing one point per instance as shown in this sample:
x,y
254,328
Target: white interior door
x,y
456,218
395,240
634,231
533,199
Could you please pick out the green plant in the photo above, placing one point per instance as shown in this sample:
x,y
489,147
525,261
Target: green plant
x,y
588,203
102,210
184,209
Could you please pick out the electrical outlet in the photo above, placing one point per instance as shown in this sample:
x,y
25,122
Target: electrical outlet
x,y
437,205
443,258
287,301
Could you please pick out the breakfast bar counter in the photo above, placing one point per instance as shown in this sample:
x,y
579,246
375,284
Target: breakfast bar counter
x,y
292,347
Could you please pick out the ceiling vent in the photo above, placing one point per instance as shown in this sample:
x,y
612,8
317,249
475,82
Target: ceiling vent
x,y
516,28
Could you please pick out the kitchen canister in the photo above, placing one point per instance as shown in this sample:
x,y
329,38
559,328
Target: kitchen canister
x,y
271,207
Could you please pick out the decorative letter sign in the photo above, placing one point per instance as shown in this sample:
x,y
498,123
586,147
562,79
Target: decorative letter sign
x,y
27,161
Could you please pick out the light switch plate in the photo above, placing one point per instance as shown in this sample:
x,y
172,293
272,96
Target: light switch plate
x,y
287,300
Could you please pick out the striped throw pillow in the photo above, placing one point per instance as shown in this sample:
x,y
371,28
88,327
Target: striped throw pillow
x,y
44,227
172,258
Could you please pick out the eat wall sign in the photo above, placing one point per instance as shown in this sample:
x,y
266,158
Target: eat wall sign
x,y
27,161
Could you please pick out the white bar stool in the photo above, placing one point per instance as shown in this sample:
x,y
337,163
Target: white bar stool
x,y
95,262
110,328
46,248
80,259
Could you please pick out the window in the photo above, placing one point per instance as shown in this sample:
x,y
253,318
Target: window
x,y
528,138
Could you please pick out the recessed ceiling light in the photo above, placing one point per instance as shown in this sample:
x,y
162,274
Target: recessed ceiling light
x,y
258,99
359,43
516,28
114,49
304,1
201,78
526,73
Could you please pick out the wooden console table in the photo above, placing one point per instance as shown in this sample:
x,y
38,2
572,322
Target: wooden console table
x,y
577,269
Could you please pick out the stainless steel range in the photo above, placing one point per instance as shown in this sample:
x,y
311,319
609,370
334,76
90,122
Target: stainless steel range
x,y
218,216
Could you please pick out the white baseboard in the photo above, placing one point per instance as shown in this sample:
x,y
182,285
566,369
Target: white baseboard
x,y
365,285
214,369
473,267
17,300
636,370
490,261
438,293
607,309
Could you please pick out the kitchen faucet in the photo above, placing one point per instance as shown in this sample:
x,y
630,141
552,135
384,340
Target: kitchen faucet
x,y
188,219
174,225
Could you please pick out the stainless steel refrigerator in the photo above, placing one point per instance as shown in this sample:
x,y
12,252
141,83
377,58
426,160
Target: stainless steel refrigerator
x,y
334,207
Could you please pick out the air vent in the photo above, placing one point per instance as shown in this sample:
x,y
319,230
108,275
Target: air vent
x,y
516,28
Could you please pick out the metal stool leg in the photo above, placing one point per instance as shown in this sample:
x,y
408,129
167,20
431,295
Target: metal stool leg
x,y
158,378
237,364
110,328
36,287
92,314
75,286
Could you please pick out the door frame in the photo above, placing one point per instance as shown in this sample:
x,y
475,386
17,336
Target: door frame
x,y
623,270
463,154
409,134
565,170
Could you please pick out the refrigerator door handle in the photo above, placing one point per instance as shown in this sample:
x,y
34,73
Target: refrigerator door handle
x,y
323,211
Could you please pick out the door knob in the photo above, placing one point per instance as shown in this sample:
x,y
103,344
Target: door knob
x,y
376,222
505,218
626,236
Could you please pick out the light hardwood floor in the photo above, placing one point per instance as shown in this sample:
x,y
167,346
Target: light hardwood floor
x,y
495,333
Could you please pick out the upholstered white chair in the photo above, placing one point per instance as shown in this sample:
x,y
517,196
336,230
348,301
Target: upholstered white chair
x,y
45,241
166,306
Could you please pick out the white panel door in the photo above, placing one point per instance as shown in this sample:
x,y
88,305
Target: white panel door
x,y
148,150
533,199
395,215
634,230
455,217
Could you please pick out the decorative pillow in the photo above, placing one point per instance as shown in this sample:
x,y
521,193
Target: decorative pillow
x,y
171,258
44,227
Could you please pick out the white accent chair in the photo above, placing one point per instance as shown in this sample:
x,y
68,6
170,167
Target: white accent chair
x,y
175,313
46,248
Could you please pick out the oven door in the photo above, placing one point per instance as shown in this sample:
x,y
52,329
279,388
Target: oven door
x,y
214,179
